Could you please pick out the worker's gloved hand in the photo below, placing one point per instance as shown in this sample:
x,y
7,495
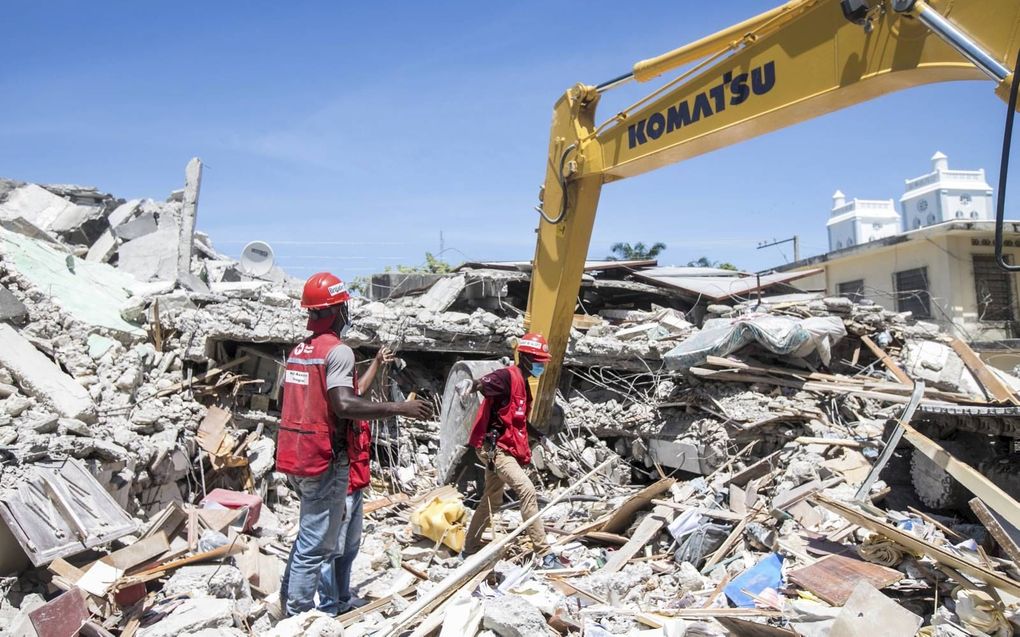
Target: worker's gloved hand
x,y
463,388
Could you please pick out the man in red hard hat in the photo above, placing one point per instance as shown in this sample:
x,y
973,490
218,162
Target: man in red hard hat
x,y
499,437
320,410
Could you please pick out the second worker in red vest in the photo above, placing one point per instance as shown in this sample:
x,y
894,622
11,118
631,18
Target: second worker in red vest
x,y
320,410
500,438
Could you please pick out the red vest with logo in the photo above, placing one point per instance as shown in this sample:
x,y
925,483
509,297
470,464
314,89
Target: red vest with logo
x,y
308,427
509,424
359,442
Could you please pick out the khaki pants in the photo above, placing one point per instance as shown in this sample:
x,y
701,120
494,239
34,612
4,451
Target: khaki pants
x,y
505,472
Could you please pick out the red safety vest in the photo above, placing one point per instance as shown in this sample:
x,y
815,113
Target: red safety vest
x,y
308,426
510,423
359,442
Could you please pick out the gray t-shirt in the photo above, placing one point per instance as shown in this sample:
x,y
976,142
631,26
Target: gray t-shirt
x,y
340,367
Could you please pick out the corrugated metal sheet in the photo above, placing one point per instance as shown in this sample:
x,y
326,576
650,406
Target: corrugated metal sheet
x,y
719,288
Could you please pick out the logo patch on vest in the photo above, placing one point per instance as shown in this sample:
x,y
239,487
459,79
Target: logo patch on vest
x,y
297,378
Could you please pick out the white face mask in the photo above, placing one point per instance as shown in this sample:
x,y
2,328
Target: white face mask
x,y
346,328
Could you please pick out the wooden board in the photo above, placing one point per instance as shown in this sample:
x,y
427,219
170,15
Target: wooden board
x,y
887,360
992,383
919,546
384,502
744,628
756,470
138,553
650,526
1006,536
834,578
996,499
624,516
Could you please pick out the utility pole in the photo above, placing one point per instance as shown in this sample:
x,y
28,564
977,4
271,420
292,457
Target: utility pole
x,y
796,245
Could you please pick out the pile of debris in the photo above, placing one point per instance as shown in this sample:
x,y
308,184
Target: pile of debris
x,y
722,447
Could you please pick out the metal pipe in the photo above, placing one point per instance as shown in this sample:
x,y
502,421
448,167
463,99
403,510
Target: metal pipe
x,y
653,67
613,83
960,41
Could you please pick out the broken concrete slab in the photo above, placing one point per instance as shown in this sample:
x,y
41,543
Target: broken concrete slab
x,y
192,616
106,244
868,608
189,212
513,616
46,210
443,293
153,256
12,310
138,227
40,377
93,293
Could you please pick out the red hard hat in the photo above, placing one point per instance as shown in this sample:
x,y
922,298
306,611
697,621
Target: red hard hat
x,y
535,346
323,290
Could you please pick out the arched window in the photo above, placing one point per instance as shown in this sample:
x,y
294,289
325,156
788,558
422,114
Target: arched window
x,y
839,245
931,218
849,242
974,214
959,214
965,199
917,223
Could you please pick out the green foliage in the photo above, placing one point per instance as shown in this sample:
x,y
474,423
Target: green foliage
x,y
433,265
705,262
636,252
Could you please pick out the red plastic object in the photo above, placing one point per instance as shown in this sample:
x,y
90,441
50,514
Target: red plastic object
x,y
236,500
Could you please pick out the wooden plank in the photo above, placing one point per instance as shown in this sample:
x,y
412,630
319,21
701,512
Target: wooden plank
x,y
717,514
834,578
887,360
919,546
474,564
138,553
646,531
997,529
834,442
385,502
824,388
891,444
570,588
756,470
997,499
992,383
744,628
215,371
734,536
624,515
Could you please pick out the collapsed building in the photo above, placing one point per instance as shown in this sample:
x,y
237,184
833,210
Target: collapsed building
x,y
732,456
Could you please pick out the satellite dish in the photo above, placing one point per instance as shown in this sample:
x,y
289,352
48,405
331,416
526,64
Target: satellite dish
x,y
257,258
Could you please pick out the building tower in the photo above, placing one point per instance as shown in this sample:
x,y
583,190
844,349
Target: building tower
x,y
860,221
945,195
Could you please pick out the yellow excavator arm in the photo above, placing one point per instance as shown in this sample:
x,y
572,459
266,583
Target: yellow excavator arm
x,y
798,61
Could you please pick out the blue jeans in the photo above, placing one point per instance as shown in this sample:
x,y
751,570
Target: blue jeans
x,y
323,500
335,583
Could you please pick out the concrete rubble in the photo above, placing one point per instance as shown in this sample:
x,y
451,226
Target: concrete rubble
x,y
735,467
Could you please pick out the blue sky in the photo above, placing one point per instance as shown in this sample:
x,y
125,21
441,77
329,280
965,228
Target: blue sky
x,y
348,135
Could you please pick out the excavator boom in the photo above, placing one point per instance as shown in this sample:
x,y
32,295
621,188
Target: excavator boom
x,y
793,63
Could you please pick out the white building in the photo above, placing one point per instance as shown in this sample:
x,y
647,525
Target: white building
x,y
860,221
945,195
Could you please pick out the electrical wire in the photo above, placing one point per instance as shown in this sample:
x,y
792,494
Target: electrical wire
x,y
1007,139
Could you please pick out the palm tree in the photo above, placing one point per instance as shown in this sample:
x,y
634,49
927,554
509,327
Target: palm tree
x,y
705,262
636,252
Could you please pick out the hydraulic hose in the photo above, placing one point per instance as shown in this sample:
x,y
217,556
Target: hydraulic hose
x,y
1007,138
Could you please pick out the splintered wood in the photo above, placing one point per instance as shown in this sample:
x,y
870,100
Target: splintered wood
x,y
833,578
